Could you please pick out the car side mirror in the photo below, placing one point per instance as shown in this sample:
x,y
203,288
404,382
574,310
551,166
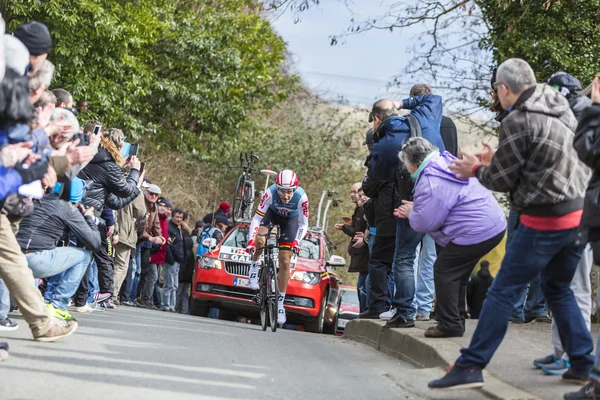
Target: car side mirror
x,y
209,243
336,262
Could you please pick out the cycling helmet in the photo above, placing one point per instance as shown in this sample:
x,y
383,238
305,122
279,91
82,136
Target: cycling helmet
x,y
287,180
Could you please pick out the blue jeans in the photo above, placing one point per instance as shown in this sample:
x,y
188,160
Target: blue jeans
x,y
535,306
4,300
407,240
93,286
555,255
135,273
171,281
70,263
361,288
425,288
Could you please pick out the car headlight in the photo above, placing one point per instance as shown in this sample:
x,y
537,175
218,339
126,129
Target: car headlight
x,y
208,263
309,278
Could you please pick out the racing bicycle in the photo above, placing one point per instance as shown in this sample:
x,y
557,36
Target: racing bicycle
x,y
268,291
243,199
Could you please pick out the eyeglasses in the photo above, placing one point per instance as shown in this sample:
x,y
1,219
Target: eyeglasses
x,y
285,191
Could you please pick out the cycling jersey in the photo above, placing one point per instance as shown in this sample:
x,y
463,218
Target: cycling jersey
x,y
296,208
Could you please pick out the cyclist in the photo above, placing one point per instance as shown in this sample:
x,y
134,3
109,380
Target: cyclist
x,y
284,204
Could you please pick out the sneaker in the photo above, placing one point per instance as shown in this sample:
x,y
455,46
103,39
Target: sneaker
x,y
116,302
422,317
398,321
128,303
369,315
101,297
557,368
58,330
84,309
542,362
459,378
163,308
6,325
253,278
388,314
576,377
591,391
150,306
281,316
58,313
107,305
438,332
96,307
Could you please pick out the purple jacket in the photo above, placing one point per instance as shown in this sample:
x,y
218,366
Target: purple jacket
x,y
460,211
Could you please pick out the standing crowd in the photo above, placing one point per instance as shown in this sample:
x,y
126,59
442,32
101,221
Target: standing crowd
x,y
81,228
425,217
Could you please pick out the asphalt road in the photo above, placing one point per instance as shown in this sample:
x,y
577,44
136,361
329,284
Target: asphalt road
x,y
131,354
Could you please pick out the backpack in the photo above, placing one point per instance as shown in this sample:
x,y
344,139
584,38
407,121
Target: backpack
x,y
206,233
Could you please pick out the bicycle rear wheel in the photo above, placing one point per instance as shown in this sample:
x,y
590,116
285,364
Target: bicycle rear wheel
x,y
238,205
273,294
263,301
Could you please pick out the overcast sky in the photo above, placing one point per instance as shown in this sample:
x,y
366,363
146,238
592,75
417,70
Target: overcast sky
x,y
359,69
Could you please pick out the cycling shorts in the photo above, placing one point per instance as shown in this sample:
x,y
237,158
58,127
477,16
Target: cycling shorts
x,y
288,227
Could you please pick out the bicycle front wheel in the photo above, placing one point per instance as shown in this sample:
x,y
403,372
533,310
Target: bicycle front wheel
x,y
263,301
273,295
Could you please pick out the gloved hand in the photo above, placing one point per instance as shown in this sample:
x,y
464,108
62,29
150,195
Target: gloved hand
x,y
251,248
295,247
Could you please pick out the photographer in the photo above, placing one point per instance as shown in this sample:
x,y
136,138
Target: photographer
x,y
41,233
107,178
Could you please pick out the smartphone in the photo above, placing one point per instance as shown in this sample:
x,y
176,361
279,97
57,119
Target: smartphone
x,y
133,150
142,167
97,129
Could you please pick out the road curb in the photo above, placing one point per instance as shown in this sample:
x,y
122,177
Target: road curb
x,y
411,346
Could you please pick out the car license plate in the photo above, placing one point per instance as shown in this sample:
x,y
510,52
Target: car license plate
x,y
240,282
342,323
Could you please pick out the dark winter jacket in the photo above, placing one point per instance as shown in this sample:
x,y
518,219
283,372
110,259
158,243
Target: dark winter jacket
x,y
587,145
107,178
578,104
186,269
394,131
46,226
535,160
175,251
477,291
384,196
359,258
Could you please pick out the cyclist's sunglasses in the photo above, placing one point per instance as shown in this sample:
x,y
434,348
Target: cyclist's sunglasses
x,y
286,191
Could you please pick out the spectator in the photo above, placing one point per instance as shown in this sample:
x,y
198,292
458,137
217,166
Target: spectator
x,y
40,234
109,187
461,215
150,238
223,209
127,241
359,256
186,274
558,362
36,37
63,98
477,289
175,256
158,258
82,105
391,132
535,143
17,55
587,143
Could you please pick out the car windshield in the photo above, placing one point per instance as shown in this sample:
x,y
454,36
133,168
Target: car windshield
x,y
310,247
237,238
350,297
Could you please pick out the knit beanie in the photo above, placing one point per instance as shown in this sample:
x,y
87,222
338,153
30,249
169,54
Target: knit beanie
x,y
35,36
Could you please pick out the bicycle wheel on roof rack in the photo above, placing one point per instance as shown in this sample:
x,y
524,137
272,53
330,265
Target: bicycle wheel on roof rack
x,y
248,199
238,204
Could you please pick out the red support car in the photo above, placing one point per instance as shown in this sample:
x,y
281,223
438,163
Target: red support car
x,y
313,293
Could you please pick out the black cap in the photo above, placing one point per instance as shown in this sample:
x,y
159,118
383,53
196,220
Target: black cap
x,y
562,80
35,36
222,219
369,141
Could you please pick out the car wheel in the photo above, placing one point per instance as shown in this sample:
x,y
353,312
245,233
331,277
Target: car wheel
x,y
199,309
331,327
316,326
